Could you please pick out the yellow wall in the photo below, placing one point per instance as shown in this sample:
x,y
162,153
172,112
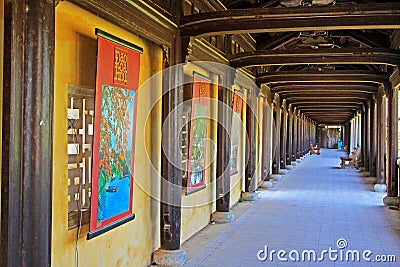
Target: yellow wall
x,y
132,243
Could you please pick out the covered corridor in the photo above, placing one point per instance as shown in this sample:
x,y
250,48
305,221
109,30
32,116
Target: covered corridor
x,y
311,208
127,127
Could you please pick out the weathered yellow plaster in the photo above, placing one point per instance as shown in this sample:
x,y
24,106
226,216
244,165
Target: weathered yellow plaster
x,y
132,243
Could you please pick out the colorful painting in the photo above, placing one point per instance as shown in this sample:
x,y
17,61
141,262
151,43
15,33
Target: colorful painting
x,y
116,132
117,81
198,134
235,129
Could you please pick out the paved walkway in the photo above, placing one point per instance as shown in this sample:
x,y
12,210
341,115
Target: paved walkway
x,y
311,208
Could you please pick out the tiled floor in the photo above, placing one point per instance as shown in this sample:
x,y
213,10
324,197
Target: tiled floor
x,y
310,209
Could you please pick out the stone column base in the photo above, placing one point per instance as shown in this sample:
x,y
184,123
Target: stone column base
x,y
266,185
298,160
365,174
380,188
249,196
391,201
276,177
289,167
169,258
223,217
361,169
283,172
370,180
294,163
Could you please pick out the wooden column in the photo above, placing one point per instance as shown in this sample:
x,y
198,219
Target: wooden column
x,y
224,143
277,135
294,149
363,146
373,137
171,158
283,135
265,141
392,181
380,140
367,135
301,134
289,153
250,176
26,204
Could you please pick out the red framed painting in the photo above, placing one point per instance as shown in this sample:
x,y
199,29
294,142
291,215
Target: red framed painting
x,y
117,81
235,130
198,134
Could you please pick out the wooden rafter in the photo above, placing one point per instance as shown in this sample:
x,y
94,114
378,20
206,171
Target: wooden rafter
x,y
325,76
316,56
278,19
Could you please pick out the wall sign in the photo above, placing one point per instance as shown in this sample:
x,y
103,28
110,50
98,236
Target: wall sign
x,y
235,129
117,81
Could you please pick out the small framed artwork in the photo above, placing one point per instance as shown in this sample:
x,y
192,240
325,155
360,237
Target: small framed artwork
x,y
198,134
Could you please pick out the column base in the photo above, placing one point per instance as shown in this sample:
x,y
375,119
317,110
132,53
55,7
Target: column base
x,y
361,169
391,201
289,167
294,163
370,180
380,188
223,217
169,258
299,160
365,174
249,196
266,185
283,171
276,177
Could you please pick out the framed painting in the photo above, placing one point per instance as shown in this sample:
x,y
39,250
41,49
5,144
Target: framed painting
x,y
117,80
198,134
235,130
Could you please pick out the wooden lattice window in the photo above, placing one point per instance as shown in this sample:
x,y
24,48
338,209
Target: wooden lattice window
x,y
80,140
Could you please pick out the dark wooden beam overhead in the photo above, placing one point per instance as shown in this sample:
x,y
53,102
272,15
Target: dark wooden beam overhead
x,y
308,95
316,56
322,87
325,76
370,39
281,19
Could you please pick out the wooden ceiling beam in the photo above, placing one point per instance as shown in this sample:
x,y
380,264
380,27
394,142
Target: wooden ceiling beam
x,y
322,86
284,19
325,76
316,56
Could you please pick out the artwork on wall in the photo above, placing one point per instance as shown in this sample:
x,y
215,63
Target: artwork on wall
x,y
235,129
198,134
117,80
